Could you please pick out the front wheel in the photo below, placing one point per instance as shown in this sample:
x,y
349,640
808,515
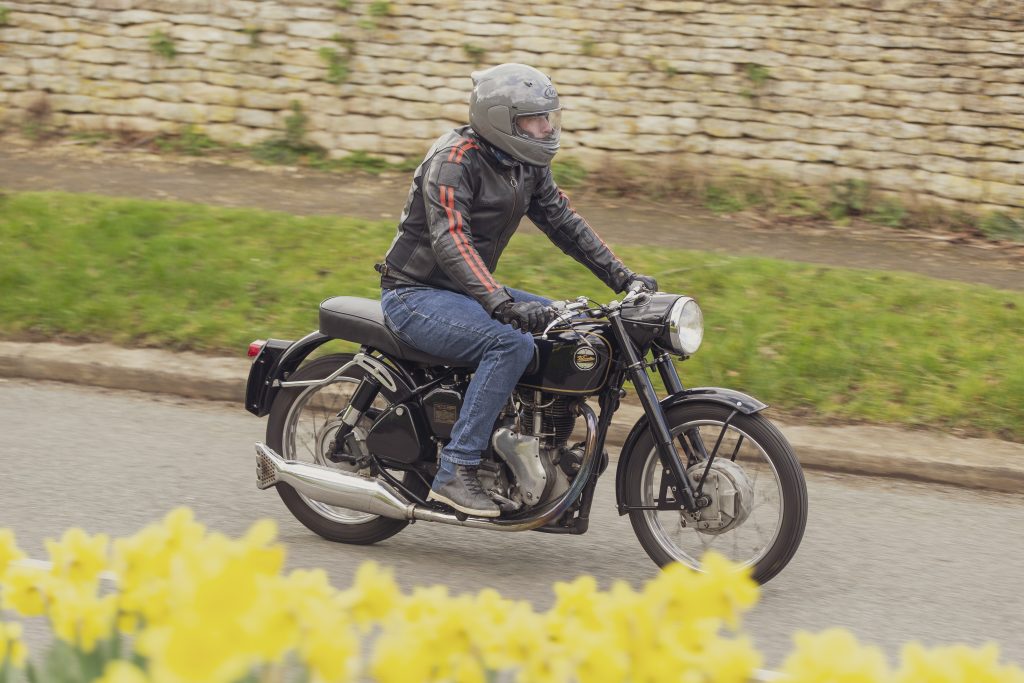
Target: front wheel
x,y
756,487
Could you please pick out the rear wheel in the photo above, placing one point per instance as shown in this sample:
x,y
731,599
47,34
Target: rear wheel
x,y
302,425
757,489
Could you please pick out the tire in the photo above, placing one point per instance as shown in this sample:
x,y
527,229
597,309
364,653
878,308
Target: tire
x,y
300,427
767,462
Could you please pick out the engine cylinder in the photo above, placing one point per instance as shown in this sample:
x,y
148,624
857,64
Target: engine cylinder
x,y
558,417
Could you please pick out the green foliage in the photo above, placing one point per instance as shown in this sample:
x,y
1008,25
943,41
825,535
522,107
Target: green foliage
x,y
474,52
162,44
757,74
670,70
1002,226
5,16
725,198
343,5
190,141
337,65
37,124
254,35
91,137
568,172
849,198
362,161
842,344
380,8
64,663
292,147
888,212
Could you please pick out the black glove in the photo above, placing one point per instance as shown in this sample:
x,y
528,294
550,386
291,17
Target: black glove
x,y
528,316
649,283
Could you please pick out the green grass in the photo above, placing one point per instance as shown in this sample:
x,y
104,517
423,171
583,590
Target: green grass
x,y
831,343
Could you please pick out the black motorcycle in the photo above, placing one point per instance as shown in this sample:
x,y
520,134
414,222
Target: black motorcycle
x,y
353,439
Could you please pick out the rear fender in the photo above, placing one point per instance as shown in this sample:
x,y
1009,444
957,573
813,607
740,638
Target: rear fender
x,y
727,397
276,361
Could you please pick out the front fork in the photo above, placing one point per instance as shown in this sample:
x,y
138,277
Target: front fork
x,y
636,369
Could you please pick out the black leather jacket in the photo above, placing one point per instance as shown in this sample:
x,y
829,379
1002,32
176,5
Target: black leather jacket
x,y
464,206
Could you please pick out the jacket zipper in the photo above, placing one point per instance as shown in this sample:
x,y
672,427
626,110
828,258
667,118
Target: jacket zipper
x,y
515,204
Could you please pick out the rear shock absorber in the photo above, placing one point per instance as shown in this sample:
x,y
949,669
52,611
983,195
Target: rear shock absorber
x,y
362,399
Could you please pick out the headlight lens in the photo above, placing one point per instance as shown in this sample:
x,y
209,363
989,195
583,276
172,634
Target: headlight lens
x,y
685,326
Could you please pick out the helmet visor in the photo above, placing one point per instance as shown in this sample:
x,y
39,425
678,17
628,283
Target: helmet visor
x,y
543,126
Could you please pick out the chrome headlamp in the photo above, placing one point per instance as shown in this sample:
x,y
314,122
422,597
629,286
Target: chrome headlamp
x,y
685,326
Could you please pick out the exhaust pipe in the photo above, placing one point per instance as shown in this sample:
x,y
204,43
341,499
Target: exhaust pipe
x,y
351,491
330,486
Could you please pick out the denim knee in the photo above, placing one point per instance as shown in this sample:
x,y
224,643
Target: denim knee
x,y
518,347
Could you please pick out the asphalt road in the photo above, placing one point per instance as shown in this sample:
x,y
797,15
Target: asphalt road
x,y
890,560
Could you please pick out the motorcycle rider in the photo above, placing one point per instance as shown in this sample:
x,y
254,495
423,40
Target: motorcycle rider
x,y
439,293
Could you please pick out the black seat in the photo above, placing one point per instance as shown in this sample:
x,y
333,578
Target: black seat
x,y
360,320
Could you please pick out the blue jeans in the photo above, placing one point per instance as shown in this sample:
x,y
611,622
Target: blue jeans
x,y
452,325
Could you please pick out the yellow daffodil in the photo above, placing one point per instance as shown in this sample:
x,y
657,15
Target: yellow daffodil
x,y
12,649
188,651
729,661
373,595
81,618
119,671
329,646
601,658
834,655
26,590
955,664
77,556
9,551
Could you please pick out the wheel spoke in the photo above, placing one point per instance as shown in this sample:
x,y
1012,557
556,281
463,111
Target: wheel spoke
x,y
746,543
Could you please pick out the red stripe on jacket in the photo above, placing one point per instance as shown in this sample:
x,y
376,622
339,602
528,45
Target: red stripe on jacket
x,y
467,251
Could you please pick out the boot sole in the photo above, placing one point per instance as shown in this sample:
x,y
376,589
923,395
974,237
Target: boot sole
x,y
462,508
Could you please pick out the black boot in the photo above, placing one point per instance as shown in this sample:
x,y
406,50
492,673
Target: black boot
x,y
461,489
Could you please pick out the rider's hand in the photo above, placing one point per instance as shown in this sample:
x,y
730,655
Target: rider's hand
x,y
528,316
648,282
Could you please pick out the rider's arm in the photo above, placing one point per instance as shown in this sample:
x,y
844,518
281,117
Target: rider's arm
x,y
551,211
448,193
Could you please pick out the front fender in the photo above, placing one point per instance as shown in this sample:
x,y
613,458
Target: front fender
x,y
729,397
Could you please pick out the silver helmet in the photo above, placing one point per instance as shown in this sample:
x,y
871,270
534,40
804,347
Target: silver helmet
x,y
515,108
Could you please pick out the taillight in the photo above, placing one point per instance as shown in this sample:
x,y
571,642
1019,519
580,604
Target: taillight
x,y
256,347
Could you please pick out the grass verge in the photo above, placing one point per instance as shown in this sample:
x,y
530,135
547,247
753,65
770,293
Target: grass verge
x,y
824,342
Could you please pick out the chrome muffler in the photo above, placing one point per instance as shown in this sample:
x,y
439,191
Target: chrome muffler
x,y
331,486
362,494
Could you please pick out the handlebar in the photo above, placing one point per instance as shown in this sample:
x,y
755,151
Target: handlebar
x,y
570,308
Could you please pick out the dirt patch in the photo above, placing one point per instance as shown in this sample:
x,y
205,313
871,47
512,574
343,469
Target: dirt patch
x,y
71,167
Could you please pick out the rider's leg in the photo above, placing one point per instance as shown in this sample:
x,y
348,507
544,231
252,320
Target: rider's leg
x,y
455,326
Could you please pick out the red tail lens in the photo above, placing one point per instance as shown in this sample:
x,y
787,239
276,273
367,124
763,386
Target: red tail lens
x,y
256,347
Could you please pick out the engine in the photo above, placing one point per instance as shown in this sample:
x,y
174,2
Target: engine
x,y
532,444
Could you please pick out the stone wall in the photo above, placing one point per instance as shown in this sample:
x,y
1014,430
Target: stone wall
x,y
917,96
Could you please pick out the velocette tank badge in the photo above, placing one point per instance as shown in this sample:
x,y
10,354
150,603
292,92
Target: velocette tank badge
x,y
584,358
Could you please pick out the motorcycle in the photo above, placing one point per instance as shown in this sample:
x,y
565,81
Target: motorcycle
x,y
353,439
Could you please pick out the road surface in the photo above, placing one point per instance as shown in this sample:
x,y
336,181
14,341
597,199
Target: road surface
x,y
892,561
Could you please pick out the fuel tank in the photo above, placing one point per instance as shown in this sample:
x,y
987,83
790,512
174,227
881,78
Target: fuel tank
x,y
572,361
